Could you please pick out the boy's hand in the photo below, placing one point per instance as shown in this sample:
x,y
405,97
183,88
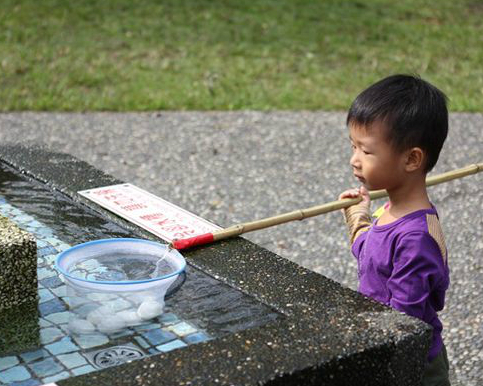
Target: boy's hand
x,y
357,216
354,193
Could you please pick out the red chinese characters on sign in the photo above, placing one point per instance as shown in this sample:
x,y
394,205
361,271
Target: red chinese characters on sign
x,y
152,213
169,225
121,199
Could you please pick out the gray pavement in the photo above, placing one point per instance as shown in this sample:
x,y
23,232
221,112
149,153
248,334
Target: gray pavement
x,y
232,167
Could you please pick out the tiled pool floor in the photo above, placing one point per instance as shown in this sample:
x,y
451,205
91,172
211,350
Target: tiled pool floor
x,y
61,355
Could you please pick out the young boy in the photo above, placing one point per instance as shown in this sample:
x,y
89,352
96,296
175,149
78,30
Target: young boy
x,y
397,129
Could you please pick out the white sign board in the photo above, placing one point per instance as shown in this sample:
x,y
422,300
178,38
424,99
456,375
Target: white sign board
x,y
150,212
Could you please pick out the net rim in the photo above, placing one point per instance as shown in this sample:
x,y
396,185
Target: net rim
x,y
75,248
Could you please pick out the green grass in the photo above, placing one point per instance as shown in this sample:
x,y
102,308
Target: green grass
x,y
128,55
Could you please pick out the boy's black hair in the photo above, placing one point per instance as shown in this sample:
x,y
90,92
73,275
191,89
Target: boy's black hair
x,y
414,112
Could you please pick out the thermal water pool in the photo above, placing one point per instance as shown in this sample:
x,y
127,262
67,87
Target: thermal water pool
x,y
201,309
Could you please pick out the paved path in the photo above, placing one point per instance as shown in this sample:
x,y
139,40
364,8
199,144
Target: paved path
x,y
241,166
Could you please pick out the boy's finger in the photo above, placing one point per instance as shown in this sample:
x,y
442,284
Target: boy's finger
x,y
349,193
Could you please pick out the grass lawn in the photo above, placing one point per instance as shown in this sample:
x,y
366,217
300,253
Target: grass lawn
x,y
232,54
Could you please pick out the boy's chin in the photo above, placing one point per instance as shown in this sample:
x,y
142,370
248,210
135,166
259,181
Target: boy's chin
x,y
369,186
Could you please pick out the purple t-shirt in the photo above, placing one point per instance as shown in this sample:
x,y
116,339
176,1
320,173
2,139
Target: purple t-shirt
x,y
404,265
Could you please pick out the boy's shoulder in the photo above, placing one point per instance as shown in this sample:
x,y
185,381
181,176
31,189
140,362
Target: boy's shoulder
x,y
424,220
424,224
436,232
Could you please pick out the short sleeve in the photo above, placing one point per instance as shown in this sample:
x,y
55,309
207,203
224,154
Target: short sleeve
x,y
418,271
358,244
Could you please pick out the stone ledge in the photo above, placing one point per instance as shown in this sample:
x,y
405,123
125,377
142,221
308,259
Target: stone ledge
x,y
328,334
18,266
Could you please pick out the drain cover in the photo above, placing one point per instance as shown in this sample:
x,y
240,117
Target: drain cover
x,y
114,356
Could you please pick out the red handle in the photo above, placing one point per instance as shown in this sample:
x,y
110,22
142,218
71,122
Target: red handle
x,y
192,241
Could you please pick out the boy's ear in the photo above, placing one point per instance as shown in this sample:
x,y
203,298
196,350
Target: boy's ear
x,y
415,159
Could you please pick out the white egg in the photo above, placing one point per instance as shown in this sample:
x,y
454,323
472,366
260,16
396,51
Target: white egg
x,y
81,326
130,317
106,309
149,309
96,316
111,324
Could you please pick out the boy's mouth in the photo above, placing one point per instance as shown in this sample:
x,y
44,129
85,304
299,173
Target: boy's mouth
x,y
360,178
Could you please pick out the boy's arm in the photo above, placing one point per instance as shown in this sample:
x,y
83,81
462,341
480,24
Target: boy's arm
x,y
358,220
419,269
357,217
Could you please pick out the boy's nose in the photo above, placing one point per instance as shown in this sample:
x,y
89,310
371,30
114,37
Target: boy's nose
x,y
354,161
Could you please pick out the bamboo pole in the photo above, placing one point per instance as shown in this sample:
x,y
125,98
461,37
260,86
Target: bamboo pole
x,y
301,214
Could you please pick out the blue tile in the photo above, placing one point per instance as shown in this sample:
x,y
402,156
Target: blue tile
x,y
14,211
31,229
147,327
121,334
34,355
83,370
7,362
62,247
44,273
36,224
63,346
49,250
168,318
89,341
28,382
56,377
24,218
182,329
72,360
60,292
45,295
45,232
59,317
158,336
53,241
51,282
46,367
42,244
141,342
44,323
50,334
196,338
49,259
14,374
171,345
51,307
84,309
41,262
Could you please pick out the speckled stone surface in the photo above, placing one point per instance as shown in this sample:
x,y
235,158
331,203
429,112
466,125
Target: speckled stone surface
x,y
20,330
18,289
328,334
18,266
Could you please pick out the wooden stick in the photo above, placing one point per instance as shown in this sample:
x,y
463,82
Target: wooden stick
x,y
301,214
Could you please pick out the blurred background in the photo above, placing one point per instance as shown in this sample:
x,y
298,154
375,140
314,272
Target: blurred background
x,y
124,55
